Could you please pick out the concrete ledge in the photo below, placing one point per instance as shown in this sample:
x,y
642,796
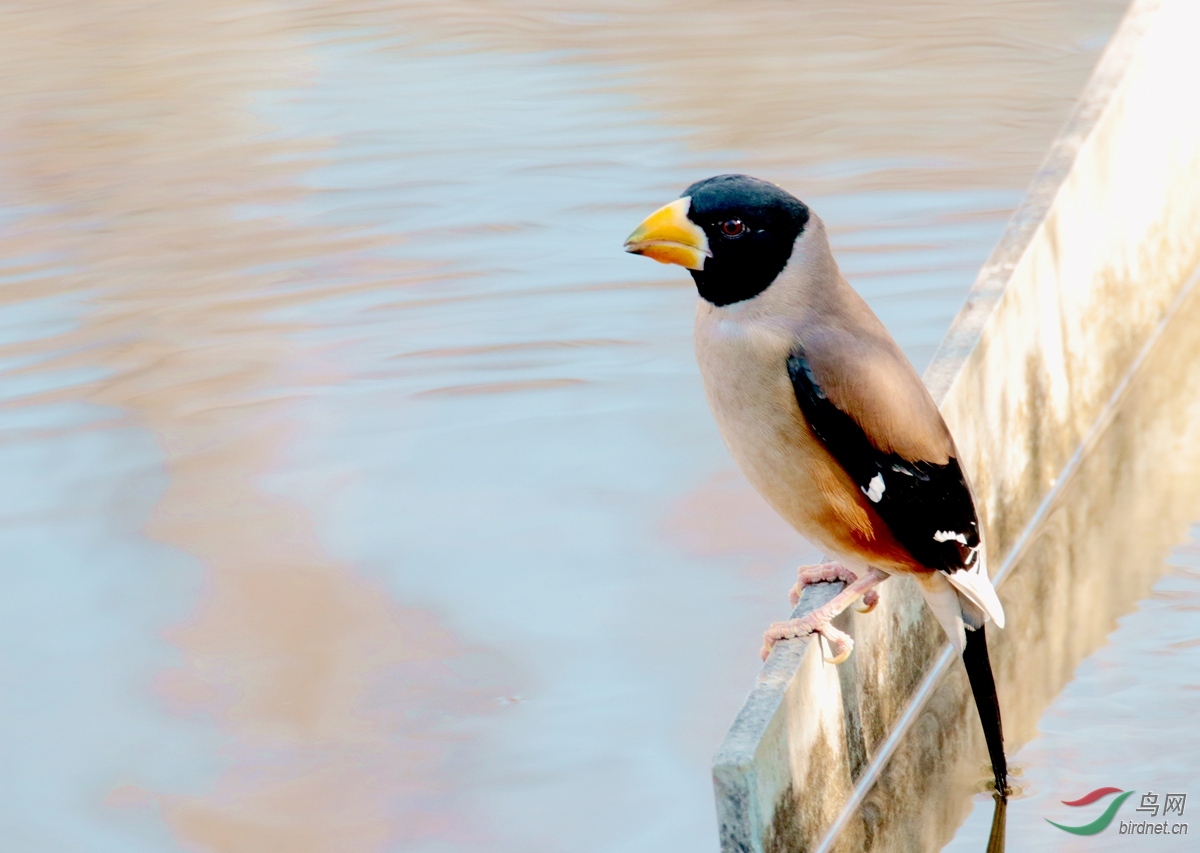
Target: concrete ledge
x,y
1061,315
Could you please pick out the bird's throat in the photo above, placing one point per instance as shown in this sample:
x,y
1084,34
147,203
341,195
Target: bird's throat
x,y
725,287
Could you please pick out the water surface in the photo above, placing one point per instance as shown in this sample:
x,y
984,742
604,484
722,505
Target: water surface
x,y
362,494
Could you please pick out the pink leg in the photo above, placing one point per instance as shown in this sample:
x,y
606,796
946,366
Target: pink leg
x,y
827,573
817,622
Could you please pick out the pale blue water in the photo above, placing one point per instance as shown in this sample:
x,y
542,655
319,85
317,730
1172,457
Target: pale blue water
x,y
362,493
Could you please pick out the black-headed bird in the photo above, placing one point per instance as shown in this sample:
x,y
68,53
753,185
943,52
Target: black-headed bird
x,y
827,417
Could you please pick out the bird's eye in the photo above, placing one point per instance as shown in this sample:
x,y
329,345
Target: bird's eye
x,y
733,227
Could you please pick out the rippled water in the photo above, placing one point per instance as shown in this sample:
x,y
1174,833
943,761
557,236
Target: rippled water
x,y
361,492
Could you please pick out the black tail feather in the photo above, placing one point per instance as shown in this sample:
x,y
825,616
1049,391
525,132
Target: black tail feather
x,y
983,686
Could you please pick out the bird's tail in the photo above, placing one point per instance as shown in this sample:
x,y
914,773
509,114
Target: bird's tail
x,y
962,608
974,585
983,686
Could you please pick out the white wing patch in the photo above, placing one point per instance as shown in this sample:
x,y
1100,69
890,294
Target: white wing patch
x,y
947,535
875,489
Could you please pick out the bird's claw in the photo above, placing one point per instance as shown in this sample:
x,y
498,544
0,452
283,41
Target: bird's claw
x,y
819,573
868,602
839,642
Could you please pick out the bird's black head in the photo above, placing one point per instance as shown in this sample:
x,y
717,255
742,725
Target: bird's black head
x,y
751,227
733,232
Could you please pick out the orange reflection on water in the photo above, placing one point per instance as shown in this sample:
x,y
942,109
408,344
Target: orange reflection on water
x,y
329,690
330,698
724,515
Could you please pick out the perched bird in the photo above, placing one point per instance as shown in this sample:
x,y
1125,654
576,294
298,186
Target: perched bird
x,y
827,418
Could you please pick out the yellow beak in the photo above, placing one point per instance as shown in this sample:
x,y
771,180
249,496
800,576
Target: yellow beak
x,y
668,236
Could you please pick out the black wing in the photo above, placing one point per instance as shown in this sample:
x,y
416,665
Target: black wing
x,y
927,507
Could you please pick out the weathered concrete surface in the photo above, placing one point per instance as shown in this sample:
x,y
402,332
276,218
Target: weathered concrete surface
x,y
1091,264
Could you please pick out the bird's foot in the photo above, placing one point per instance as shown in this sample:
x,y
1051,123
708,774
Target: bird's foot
x,y
817,621
829,573
840,643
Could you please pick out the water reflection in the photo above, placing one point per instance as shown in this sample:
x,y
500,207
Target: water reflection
x,y
363,491
321,696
